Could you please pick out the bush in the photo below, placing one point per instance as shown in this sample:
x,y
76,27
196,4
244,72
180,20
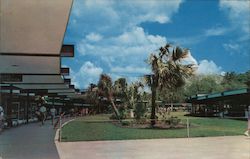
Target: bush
x,y
125,123
122,111
113,117
173,121
140,110
141,121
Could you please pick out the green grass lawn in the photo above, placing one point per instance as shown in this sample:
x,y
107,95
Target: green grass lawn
x,y
84,130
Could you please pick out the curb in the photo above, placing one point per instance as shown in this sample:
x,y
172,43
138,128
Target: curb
x,y
57,131
56,138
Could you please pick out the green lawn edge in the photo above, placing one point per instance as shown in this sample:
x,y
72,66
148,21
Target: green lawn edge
x,y
83,130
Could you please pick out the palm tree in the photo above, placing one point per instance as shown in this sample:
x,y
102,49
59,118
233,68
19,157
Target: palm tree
x,y
168,71
133,94
120,87
92,96
129,93
105,88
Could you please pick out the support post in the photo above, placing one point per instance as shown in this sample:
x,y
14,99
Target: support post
x,y
9,108
188,127
60,128
248,125
27,107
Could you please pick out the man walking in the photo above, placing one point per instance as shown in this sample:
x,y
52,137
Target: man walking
x,y
43,113
53,114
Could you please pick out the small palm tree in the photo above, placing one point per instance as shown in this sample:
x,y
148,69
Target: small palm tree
x,y
168,71
133,93
92,96
129,94
120,87
105,88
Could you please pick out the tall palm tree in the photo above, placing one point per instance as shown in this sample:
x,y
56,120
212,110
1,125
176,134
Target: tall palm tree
x,y
106,89
168,71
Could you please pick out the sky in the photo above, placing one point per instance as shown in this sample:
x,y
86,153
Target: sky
x,y
116,37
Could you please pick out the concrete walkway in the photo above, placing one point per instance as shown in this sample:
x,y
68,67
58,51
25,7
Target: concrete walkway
x,y
236,147
30,141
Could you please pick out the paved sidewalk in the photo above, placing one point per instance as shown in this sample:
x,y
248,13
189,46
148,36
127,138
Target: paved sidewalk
x,y
30,141
235,147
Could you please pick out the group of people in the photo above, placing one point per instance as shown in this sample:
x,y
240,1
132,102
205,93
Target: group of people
x,y
41,114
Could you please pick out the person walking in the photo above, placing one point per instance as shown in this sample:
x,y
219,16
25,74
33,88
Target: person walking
x,y
53,114
43,113
247,133
1,118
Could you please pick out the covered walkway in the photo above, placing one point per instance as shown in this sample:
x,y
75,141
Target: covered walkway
x,y
30,141
233,103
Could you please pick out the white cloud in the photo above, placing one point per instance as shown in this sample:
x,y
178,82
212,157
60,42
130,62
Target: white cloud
x,y
231,47
239,13
189,60
208,67
131,70
129,79
111,16
124,48
190,40
88,73
94,37
237,48
128,12
215,31
195,39
204,66
111,34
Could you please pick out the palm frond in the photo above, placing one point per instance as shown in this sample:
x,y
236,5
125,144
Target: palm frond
x,y
179,53
148,80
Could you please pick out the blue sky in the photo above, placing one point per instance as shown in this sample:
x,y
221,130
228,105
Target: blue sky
x,y
116,37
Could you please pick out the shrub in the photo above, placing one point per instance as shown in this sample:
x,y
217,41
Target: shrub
x,y
141,121
113,117
173,121
125,123
122,111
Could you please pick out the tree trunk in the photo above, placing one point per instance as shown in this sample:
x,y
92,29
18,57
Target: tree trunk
x,y
98,107
153,98
114,107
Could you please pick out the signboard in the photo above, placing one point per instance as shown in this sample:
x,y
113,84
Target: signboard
x,y
72,86
67,51
67,81
65,71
